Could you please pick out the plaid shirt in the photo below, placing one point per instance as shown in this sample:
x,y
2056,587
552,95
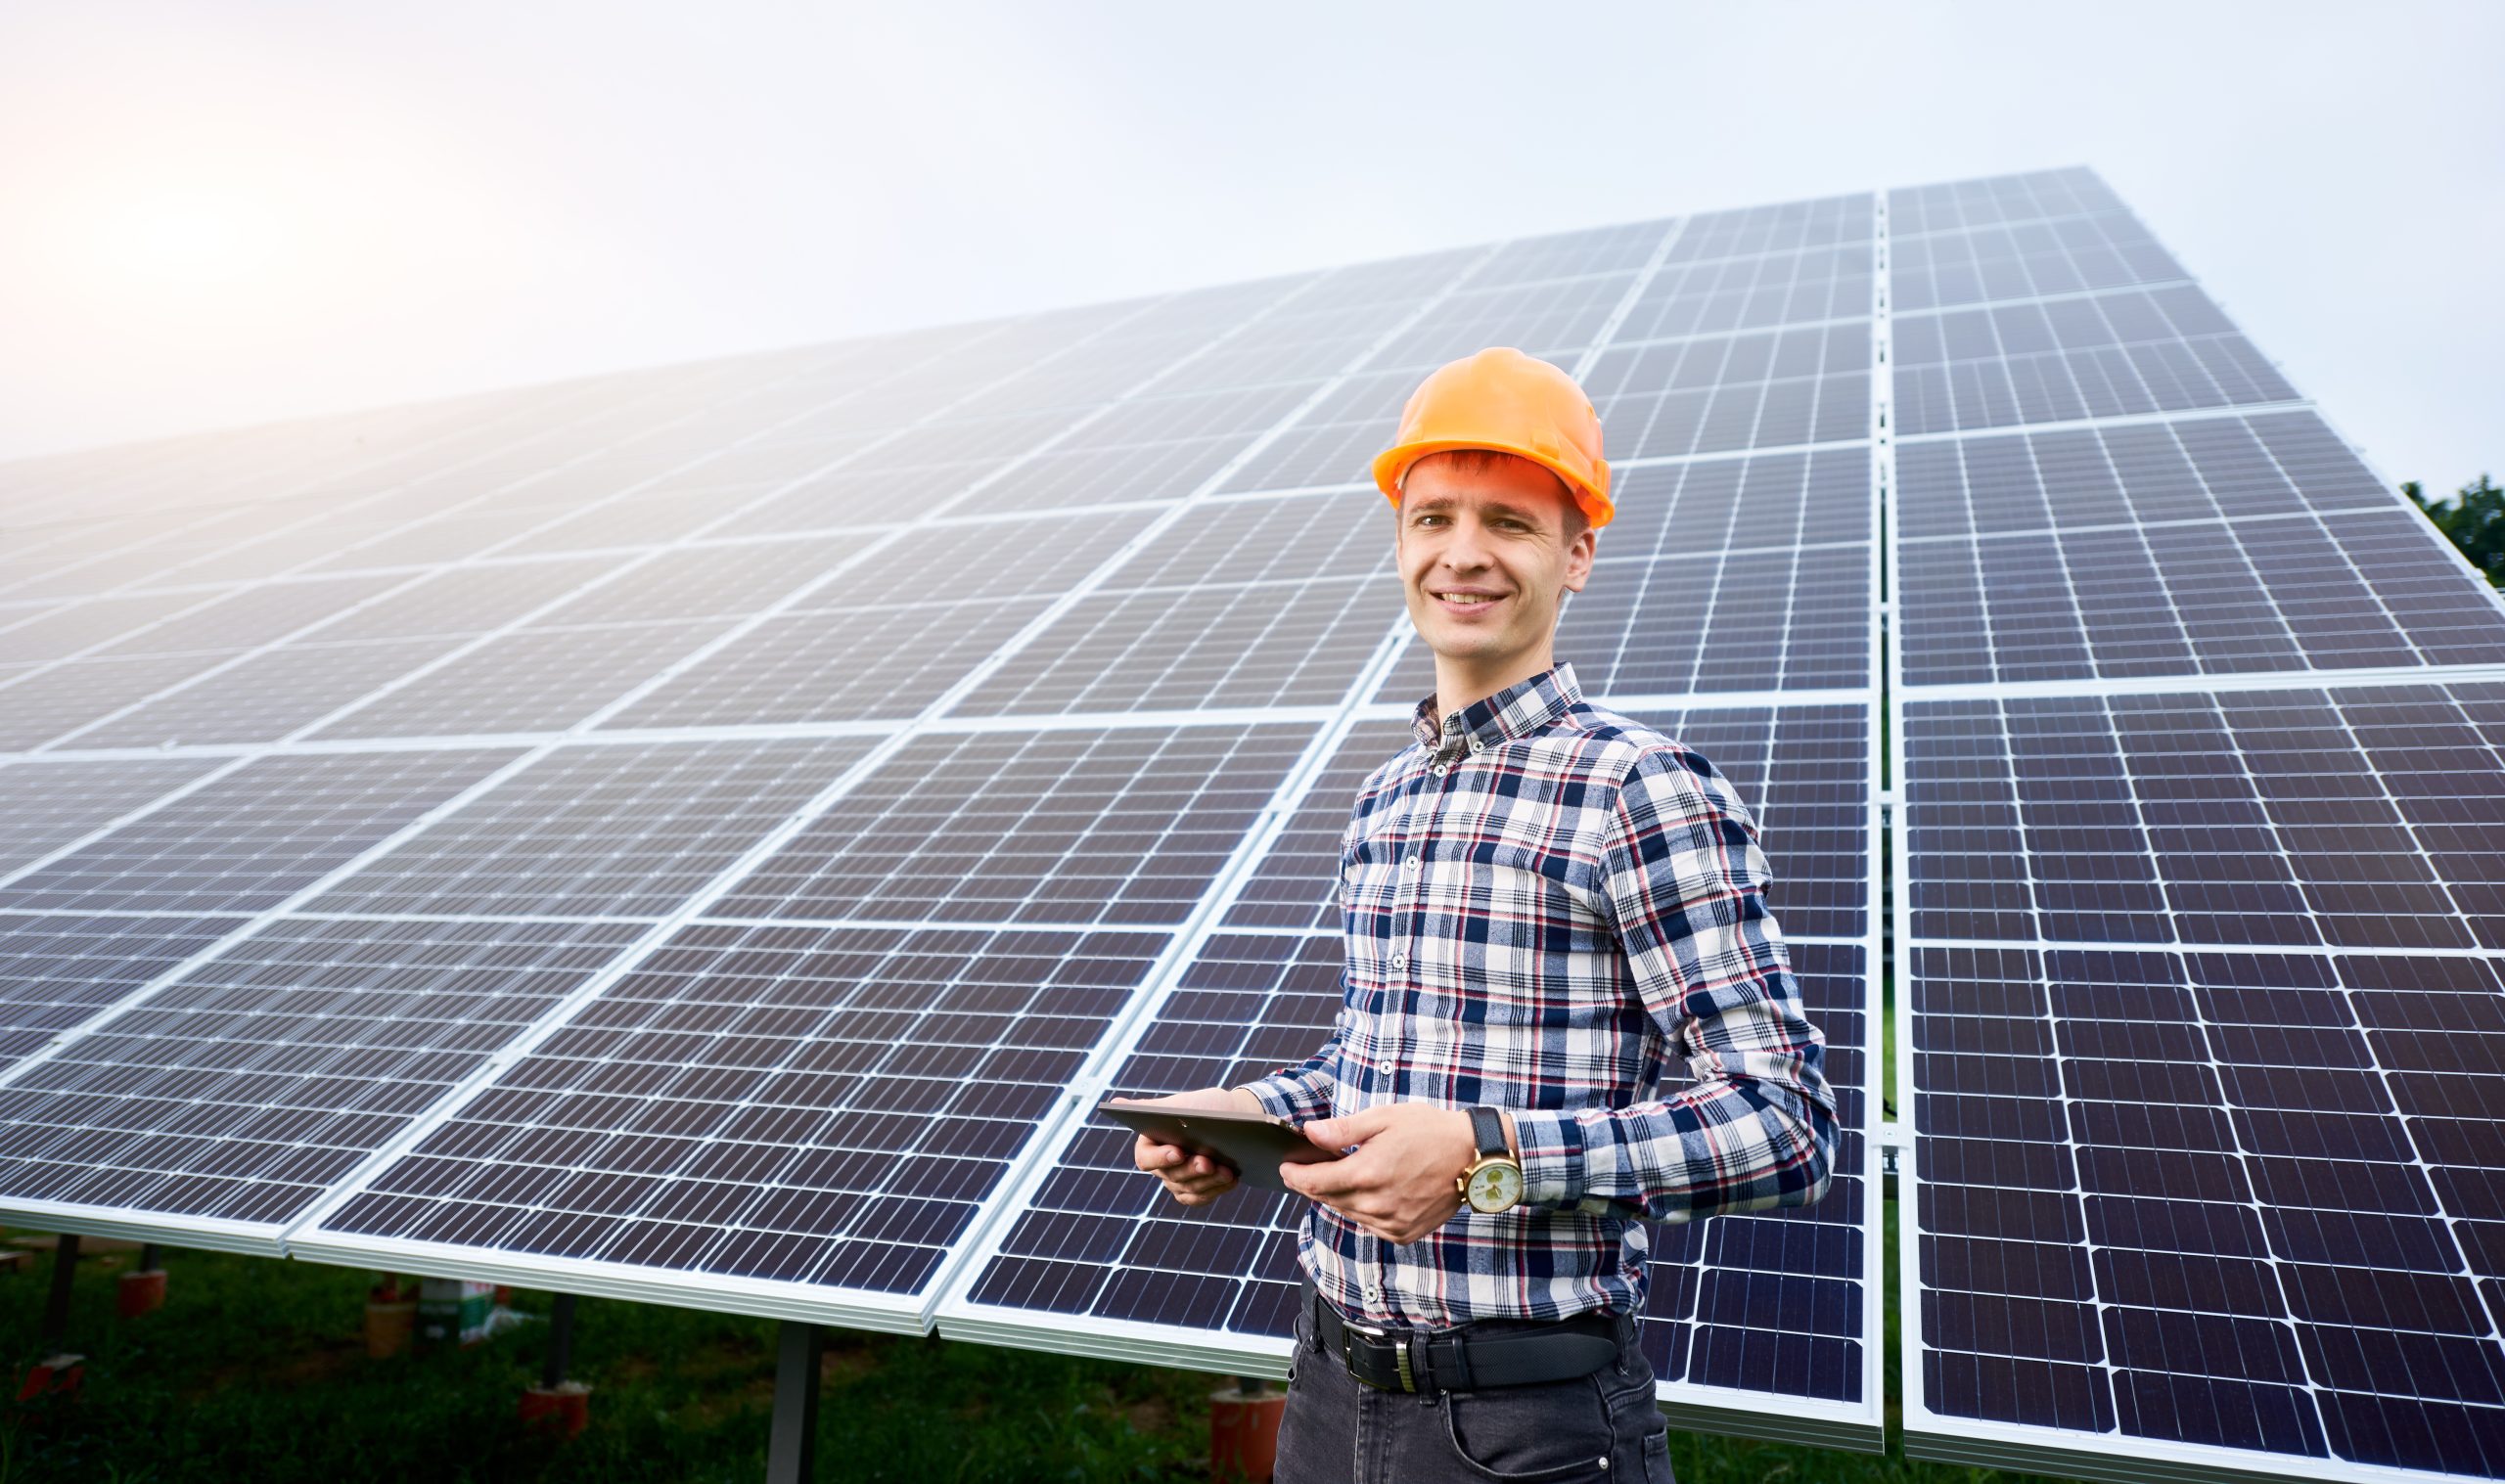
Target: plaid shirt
x,y
1541,899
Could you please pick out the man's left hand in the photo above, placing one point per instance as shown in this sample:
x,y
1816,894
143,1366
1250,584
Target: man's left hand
x,y
1400,1183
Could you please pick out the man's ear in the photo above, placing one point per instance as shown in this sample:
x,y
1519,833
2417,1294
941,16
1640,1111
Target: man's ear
x,y
1578,557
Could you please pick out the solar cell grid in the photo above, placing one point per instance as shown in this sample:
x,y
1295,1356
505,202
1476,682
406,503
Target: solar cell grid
x,y
1695,509
2027,261
2131,350
1401,278
704,582
2367,589
58,969
1112,475
1573,255
704,463
834,665
2186,470
530,681
1086,375
2363,818
598,832
1721,295
1288,358
1788,227
2213,1199
259,697
1283,642
851,499
40,702
57,631
1766,388
1333,534
255,836
1551,319
429,541
1124,827
1193,414
46,805
966,437
250,617
244,1089
315,536
1960,205
976,556
467,599
629,521
1768,621
827,1106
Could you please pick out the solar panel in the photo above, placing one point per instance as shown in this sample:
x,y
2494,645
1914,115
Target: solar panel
x,y
225,1103
45,806
575,836
1111,826
253,838
807,1117
610,831
2198,749
59,968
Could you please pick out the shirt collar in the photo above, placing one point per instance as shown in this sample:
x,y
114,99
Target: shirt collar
x,y
1518,710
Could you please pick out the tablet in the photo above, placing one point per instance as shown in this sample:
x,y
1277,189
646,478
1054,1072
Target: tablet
x,y
1252,1145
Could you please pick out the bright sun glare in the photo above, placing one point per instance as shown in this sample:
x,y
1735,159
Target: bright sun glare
x,y
183,239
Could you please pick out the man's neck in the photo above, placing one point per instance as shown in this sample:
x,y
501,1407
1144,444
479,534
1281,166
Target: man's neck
x,y
1460,684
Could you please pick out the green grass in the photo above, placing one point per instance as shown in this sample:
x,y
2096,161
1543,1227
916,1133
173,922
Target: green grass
x,y
255,1370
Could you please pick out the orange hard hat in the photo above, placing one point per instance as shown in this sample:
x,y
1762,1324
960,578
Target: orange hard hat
x,y
1504,400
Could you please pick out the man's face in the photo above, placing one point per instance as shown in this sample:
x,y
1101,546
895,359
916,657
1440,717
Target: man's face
x,y
1484,558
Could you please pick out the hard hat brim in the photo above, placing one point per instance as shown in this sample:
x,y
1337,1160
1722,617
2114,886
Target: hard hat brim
x,y
1393,465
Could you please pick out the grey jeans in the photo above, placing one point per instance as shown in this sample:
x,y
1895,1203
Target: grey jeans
x,y
1602,1428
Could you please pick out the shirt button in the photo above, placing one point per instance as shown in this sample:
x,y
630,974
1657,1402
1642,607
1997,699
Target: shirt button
x,y
1475,745
1401,961
1411,863
1442,768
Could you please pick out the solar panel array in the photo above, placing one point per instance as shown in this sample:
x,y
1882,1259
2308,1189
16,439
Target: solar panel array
x,y
709,834
2198,728
1732,602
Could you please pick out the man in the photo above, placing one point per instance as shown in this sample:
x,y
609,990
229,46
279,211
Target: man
x,y
1544,903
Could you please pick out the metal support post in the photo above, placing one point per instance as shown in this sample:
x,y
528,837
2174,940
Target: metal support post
x,y
56,1310
150,1257
561,1343
791,1456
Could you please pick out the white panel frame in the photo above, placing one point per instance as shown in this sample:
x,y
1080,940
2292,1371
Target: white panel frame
x,y
2118,1457
822,1303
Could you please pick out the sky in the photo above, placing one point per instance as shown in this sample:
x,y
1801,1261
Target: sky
x,y
219,215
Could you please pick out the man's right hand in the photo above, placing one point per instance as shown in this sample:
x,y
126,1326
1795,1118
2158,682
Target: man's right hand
x,y
1195,1180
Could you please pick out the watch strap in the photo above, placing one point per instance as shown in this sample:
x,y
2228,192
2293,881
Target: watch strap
x,y
1487,1126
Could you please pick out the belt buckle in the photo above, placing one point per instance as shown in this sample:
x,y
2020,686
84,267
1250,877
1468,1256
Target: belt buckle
x,y
1399,1354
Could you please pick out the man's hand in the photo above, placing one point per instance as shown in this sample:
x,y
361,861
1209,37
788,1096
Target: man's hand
x,y
1399,1184
1195,1180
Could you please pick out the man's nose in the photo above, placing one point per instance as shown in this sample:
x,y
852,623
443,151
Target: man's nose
x,y
1467,549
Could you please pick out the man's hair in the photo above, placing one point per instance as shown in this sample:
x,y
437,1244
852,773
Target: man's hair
x,y
1478,460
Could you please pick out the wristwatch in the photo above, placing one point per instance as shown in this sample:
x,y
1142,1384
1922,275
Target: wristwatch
x,y
1494,1180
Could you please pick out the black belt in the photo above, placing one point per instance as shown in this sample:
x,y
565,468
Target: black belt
x,y
1452,1360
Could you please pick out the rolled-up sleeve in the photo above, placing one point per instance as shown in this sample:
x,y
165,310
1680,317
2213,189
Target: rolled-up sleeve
x,y
1685,882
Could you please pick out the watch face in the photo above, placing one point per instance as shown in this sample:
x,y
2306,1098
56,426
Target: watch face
x,y
1495,1187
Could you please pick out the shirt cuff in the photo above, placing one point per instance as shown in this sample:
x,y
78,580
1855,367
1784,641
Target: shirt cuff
x,y
1296,1098
1551,1146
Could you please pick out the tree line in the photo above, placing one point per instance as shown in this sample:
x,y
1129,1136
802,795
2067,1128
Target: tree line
x,y
2474,519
